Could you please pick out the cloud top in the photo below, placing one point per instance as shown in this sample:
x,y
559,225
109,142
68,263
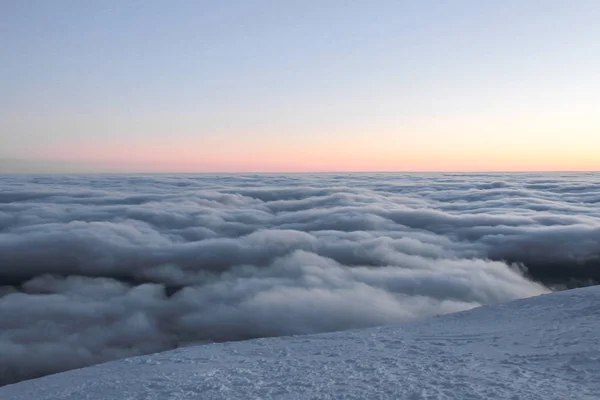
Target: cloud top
x,y
94,268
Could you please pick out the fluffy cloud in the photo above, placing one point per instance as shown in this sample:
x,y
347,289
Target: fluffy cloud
x,y
94,268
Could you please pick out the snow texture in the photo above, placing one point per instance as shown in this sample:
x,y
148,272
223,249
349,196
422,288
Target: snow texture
x,y
546,347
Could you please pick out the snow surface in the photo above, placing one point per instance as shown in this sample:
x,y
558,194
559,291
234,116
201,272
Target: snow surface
x,y
546,347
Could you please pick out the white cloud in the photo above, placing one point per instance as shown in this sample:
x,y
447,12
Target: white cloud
x,y
94,268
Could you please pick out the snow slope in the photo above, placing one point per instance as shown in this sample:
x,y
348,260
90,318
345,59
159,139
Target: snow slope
x,y
546,347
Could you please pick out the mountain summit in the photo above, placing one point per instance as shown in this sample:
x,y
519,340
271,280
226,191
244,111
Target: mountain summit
x,y
545,347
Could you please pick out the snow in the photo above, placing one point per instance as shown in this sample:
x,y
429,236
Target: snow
x,y
546,347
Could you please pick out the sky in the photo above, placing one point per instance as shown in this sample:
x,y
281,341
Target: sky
x,y
293,86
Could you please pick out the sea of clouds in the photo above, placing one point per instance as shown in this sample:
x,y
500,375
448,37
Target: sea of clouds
x,y
94,268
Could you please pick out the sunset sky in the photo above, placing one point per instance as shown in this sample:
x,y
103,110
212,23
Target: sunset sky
x,y
251,86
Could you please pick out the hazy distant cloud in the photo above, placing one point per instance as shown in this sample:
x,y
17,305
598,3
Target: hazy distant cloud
x,y
100,267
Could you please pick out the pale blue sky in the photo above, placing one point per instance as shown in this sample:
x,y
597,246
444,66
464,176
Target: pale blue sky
x,y
299,85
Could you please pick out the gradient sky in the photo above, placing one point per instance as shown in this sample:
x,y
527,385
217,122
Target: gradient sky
x,y
199,86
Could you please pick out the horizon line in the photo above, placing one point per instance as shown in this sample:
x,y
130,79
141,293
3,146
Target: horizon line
x,y
305,172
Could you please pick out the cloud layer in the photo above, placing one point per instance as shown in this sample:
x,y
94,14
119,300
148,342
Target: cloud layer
x,y
94,268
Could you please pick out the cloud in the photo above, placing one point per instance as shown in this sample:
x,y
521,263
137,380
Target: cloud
x,y
94,268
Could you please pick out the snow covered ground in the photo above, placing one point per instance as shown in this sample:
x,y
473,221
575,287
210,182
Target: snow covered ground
x,y
546,347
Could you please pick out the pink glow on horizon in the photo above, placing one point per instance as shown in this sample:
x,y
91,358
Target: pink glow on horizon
x,y
419,151
319,162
